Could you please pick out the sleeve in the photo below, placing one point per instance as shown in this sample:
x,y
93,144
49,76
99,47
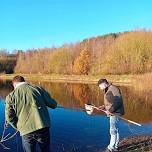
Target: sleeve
x,y
49,101
115,106
10,114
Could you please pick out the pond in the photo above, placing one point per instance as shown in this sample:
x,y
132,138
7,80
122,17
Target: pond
x,y
72,129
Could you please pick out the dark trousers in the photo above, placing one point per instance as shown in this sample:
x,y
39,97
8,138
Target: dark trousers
x,y
40,137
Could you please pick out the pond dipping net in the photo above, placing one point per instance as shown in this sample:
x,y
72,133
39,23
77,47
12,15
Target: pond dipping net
x,y
134,143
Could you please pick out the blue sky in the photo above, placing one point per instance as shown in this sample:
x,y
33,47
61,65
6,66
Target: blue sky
x,y
28,24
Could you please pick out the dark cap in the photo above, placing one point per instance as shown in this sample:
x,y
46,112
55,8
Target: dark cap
x,y
18,78
102,81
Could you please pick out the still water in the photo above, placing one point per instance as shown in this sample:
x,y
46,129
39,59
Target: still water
x,y
72,129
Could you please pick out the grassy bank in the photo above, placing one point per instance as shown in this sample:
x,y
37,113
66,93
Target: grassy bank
x,y
121,79
138,81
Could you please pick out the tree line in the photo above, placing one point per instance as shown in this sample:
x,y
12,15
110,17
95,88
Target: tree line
x,y
7,61
78,58
116,53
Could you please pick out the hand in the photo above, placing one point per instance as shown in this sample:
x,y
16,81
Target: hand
x,y
6,124
107,113
102,107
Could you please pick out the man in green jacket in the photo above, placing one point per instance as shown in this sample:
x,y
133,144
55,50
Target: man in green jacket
x,y
26,111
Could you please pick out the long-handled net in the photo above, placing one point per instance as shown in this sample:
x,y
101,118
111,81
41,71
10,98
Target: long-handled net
x,y
90,108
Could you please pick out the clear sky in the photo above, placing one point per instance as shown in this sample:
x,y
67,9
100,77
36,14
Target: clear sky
x,y
44,23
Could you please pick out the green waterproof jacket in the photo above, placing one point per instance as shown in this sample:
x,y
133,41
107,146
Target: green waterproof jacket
x,y
26,108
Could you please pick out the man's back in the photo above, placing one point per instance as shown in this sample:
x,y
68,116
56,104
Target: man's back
x,y
29,107
113,100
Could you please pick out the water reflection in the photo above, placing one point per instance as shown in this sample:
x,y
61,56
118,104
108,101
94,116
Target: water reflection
x,y
138,105
75,131
5,88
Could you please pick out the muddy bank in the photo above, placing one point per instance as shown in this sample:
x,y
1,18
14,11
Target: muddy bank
x,y
136,144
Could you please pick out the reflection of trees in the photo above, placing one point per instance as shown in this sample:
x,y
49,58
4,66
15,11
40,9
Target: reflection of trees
x,y
5,88
82,93
138,105
73,95
96,95
85,93
59,91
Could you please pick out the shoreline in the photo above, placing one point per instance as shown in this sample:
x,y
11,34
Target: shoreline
x,y
133,143
136,143
86,79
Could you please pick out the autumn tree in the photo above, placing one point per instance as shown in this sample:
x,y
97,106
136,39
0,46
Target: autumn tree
x,y
82,63
61,61
130,53
120,53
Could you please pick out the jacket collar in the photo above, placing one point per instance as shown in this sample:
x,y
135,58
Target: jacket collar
x,y
106,89
19,84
